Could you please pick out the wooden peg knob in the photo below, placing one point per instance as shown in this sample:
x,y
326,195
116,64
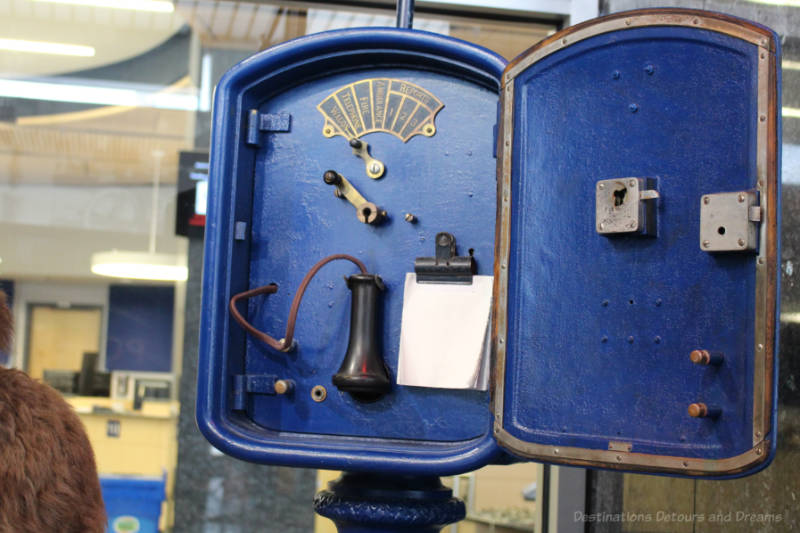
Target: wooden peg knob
x,y
701,410
284,386
704,357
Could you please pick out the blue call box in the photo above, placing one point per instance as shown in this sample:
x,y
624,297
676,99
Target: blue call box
x,y
619,181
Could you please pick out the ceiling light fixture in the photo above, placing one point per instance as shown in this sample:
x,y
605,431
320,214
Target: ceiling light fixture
x,y
787,3
100,93
791,112
147,265
139,265
42,47
155,6
788,64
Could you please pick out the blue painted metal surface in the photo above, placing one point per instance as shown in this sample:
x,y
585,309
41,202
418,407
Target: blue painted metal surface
x,y
368,504
293,220
600,328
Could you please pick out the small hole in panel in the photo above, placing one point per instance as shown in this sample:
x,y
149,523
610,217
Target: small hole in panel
x,y
471,252
631,302
721,230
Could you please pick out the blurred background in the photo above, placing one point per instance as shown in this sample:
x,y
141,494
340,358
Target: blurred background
x,y
104,136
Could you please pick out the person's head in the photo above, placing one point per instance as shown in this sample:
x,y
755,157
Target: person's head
x,y
5,324
48,477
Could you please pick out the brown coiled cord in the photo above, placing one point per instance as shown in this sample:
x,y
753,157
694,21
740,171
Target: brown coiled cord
x,y
285,344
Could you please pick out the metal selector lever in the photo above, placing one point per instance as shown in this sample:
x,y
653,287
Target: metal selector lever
x,y
374,168
367,212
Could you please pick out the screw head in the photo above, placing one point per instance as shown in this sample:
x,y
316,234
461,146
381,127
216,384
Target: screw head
x,y
741,242
742,197
633,108
616,74
649,69
706,244
601,226
601,186
410,218
355,143
706,200
374,167
632,225
631,183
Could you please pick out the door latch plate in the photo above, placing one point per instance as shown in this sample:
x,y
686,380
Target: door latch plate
x,y
729,221
626,205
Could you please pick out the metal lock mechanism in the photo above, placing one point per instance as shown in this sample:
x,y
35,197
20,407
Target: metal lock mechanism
x,y
729,221
626,205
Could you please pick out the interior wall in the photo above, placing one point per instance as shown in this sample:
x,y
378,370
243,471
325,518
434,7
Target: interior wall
x,y
58,338
59,294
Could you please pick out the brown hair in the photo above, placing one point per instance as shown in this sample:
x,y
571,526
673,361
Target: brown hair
x,y
5,324
48,477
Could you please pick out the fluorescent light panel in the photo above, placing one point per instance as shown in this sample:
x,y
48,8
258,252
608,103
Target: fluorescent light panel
x,y
788,64
787,3
139,265
42,47
791,112
131,95
155,6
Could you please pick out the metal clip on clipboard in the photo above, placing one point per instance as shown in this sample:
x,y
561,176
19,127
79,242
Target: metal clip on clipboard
x,y
446,267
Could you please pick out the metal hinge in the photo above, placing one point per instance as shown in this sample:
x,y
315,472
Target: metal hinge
x,y
244,385
266,122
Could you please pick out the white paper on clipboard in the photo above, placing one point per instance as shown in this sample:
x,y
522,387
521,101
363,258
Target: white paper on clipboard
x,y
444,336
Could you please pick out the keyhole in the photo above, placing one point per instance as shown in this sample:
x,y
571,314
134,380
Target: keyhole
x,y
366,212
619,197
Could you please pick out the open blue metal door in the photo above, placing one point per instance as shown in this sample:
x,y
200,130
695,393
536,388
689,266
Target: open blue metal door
x,y
637,250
